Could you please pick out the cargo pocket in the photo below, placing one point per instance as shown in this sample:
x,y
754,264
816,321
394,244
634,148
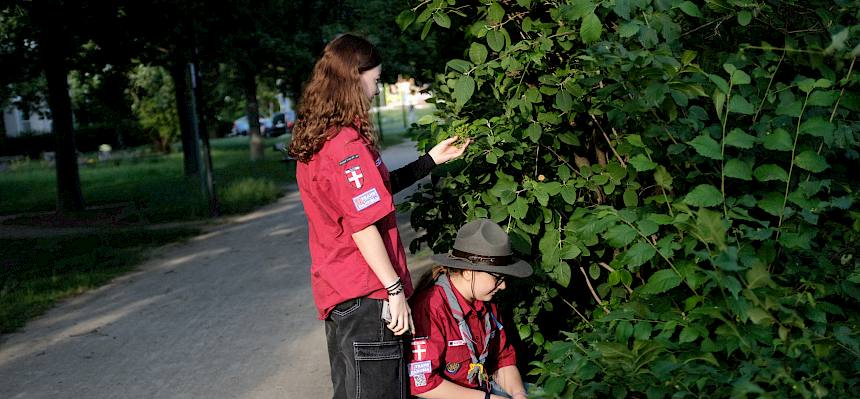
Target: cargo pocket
x,y
379,370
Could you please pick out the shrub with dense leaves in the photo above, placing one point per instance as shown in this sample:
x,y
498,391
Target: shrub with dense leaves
x,y
678,172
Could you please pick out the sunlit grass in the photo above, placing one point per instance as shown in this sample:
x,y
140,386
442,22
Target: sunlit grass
x,y
35,273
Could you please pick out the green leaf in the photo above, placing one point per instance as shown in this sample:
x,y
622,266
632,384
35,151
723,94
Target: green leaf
x,y
759,316
660,282
688,334
811,161
638,254
631,199
712,229
706,146
620,235
704,195
778,140
757,276
663,178
568,193
737,138
563,101
823,98
478,53
641,163
405,18
591,28
740,105
562,274
594,271
818,127
442,19
496,40
771,203
791,108
642,330
721,83
464,89
579,9
495,13
459,65
525,331
519,208
534,132
744,17
628,29
770,172
690,8
738,169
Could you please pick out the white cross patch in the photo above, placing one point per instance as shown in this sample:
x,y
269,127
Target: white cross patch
x,y
419,349
355,176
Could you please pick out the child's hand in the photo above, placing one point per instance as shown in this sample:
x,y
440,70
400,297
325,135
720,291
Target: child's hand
x,y
401,315
446,150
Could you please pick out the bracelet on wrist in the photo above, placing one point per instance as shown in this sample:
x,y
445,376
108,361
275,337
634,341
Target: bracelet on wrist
x,y
394,284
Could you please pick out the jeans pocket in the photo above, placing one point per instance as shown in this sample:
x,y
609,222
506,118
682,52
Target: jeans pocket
x,y
346,308
379,370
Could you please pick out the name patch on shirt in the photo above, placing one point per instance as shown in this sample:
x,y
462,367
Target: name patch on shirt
x,y
366,199
458,342
419,368
347,159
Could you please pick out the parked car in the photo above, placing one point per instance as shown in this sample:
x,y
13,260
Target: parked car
x,y
241,128
282,123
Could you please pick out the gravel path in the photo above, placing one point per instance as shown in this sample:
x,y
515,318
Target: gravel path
x,y
227,314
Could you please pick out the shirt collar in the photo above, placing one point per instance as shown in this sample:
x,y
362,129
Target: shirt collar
x,y
475,306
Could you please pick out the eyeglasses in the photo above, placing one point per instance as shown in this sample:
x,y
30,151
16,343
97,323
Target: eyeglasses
x,y
500,279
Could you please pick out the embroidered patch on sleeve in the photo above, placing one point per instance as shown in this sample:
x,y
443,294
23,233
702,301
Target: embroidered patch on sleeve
x,y
418,368
457,342
347,159
354,176
366,199
419,348
420,380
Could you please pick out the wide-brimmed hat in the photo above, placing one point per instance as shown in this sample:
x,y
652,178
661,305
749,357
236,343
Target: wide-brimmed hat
x,y
483,245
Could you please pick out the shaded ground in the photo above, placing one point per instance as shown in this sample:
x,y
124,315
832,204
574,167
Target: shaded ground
x,y
227,314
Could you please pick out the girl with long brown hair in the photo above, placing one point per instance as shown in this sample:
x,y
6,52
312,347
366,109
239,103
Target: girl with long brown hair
x,y
358,265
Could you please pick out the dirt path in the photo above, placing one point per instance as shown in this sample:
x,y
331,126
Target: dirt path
x,y
227,314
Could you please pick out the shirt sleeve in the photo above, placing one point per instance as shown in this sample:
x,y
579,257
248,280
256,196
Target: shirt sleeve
x,y
358,190
429,327
507,355
411,173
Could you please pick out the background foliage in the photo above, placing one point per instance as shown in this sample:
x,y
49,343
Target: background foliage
x,y
678,172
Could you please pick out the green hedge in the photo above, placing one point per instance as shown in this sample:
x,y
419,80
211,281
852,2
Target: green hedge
x,y
680,175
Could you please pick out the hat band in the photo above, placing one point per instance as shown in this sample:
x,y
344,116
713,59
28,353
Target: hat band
x,y
490,260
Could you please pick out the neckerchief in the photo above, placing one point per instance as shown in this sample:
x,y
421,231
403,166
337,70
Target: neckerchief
x,y
476,367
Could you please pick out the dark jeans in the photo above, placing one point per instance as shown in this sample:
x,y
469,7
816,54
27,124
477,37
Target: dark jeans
x,y
366,358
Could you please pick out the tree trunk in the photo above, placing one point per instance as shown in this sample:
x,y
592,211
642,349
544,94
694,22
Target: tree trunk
x,y
252,111
190,146
53,57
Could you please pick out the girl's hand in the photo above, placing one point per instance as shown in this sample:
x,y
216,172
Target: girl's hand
x,y
446,150
401,315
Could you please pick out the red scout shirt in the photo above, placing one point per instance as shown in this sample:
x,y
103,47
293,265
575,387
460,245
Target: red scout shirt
x,y
345,188
442,345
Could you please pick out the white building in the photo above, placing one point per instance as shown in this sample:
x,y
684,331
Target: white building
x,y
16,123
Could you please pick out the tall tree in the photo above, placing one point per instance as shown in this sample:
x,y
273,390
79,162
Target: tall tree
x,y
55,40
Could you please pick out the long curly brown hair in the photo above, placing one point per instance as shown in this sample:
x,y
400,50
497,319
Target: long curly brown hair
x,y
334,98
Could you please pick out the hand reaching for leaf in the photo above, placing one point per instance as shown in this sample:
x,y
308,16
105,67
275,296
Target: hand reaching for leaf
x,y
446,150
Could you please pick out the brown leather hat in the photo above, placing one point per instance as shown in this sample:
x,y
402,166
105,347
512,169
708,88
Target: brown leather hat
x,y
483,245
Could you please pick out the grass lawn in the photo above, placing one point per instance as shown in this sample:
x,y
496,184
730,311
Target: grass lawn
x,y
35,273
